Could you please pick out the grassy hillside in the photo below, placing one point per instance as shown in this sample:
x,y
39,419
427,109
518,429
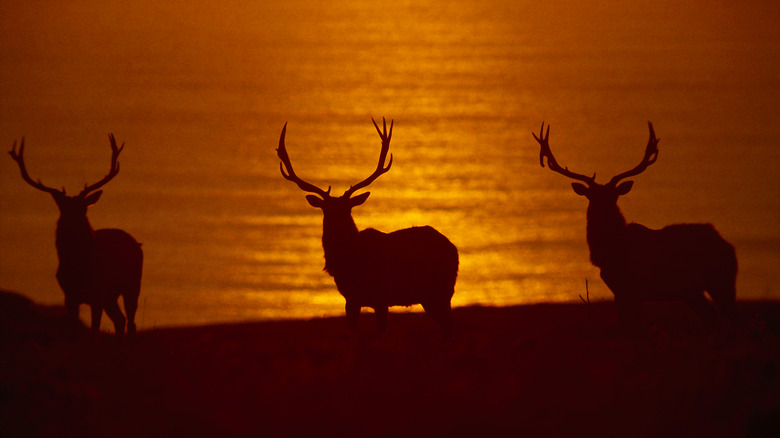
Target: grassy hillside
x,y
539,370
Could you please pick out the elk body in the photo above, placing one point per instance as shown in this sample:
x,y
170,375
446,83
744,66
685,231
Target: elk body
x,y
676,263
373,269
95,266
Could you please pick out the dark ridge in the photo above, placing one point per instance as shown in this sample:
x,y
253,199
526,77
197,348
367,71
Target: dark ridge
x,y
536,370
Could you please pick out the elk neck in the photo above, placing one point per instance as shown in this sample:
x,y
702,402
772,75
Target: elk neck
x,y
339,240
75,237
606,233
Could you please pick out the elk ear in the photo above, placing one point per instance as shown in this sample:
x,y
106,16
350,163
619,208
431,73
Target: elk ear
x,y
359,199
580,189
314,201
93,198
624,188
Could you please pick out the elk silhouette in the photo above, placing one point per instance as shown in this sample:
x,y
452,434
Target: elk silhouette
x,y
95,266
676,263
415,265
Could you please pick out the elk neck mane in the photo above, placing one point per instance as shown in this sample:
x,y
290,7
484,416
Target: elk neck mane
x,y
73,237
606,233
339,241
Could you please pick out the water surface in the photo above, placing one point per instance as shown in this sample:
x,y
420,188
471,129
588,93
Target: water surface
x,y
200,91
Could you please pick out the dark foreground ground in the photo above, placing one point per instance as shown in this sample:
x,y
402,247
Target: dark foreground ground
x,y
541,370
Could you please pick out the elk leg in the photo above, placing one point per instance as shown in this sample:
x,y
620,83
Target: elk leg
x,y
381,319
97,314
442,314
629,308
72,311
131,305
699,304
113,312
724,298
353,312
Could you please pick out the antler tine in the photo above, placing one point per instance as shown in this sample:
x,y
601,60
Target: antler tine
x,y
384,127
651,155
113,171
290,175
19,158
552,163
380,167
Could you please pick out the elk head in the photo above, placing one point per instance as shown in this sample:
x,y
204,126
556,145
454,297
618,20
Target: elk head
x,y
337,208
598,194
72,208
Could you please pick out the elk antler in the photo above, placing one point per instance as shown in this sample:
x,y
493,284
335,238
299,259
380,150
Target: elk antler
x,y
113,171
290,174
651,154
380,167
552,163
19,158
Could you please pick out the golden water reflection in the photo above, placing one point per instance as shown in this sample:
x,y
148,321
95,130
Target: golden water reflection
x,y
200,101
